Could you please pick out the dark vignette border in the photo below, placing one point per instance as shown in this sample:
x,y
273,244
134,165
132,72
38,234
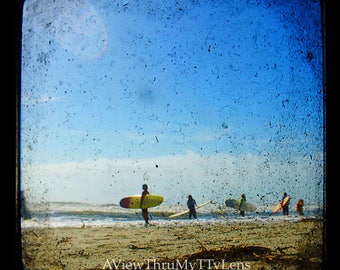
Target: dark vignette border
x,y
12,102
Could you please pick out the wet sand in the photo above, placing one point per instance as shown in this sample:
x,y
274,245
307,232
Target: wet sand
x,y
194,245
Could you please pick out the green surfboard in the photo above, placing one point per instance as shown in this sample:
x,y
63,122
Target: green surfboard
x,y
232,203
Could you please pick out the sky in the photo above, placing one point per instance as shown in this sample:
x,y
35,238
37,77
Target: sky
x,y
209,98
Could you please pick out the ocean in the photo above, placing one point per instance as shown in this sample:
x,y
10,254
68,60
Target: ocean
x,y
75,214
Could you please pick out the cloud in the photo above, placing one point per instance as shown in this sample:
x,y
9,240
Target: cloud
x,y
30,100
214,177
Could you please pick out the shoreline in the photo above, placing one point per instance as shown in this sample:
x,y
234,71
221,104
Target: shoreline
x,y
250,244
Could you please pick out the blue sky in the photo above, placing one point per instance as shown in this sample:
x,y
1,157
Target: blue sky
x,y
208,98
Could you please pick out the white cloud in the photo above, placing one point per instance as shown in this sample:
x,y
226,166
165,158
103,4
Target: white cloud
x,y
214,177
29,100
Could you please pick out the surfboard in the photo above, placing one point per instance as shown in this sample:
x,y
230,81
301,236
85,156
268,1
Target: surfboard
x,y
187,211
280,205
150,200
232,203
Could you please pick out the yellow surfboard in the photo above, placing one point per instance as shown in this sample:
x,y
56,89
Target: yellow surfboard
x,y
133,202
280,205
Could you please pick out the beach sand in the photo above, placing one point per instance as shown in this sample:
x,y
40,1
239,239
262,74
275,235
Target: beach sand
x,y
220,245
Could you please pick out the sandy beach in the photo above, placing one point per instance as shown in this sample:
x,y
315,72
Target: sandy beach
x,y
194,245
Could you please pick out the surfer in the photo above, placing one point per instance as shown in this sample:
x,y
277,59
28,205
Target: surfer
x,y
285,208
25,214
242,204
191,203
299,207
145,212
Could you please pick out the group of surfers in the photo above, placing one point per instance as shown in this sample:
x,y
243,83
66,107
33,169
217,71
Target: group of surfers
x,y
191,204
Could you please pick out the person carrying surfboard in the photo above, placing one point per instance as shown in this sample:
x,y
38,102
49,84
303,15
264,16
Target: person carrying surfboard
x,y
145,212
285,208
299,207
191,203
242,204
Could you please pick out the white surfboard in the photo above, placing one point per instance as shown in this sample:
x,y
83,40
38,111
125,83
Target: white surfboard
x,y
187,211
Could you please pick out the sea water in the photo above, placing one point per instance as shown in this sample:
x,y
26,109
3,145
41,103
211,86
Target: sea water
x,y
73,214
